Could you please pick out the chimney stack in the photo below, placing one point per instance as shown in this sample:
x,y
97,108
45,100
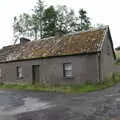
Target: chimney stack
x,y
23,40
58,34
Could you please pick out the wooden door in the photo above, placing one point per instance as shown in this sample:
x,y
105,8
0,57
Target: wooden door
x,y
36,73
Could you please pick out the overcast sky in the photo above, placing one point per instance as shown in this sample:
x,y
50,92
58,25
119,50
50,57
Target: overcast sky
x,y
100,11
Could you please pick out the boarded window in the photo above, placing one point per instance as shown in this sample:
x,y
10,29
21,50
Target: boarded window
x,y
19,72
67,67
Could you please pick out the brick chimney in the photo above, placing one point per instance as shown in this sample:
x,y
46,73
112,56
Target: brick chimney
x,y
23,40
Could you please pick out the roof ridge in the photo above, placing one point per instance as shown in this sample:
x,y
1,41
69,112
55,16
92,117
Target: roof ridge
x,y
47,38
10,45
89,30
73,33
64,45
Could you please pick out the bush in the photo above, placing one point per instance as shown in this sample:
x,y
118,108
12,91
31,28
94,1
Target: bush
x,y
118,61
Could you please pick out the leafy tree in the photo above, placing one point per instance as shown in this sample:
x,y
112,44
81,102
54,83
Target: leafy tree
x,y
66,20
21,26
45,22
72,20
49,18
38,15
84,20
34,26
118,48
15,29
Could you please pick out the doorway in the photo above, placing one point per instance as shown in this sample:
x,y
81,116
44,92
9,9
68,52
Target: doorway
x,y
35,74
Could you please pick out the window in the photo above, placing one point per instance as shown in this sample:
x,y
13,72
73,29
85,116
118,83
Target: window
x,y
19,72
67,67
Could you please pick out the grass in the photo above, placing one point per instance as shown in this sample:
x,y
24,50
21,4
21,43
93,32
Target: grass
x,y
117,54
118,57
108,82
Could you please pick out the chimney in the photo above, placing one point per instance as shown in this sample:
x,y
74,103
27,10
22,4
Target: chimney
x,y
58,34
23,40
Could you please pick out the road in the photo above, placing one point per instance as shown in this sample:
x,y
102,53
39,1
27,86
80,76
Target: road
x,y
27,105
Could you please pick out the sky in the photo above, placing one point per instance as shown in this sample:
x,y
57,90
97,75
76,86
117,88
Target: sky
x,y
100,11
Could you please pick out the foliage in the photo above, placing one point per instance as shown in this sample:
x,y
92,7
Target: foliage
x,y
84,88
84,20
66,20
38,13
50,19
117,52
21,26
47,21
118,61
118,48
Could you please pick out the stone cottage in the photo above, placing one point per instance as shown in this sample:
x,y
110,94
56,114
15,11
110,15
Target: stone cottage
x,y
72,58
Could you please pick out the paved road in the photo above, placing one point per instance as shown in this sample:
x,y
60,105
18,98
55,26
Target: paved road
x,y
21,105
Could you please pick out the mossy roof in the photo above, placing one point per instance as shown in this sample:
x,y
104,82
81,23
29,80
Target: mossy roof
x,y
76,43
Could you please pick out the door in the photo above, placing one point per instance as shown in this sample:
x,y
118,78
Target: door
x,y
35,73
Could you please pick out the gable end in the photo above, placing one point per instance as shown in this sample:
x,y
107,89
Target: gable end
x,y
107,33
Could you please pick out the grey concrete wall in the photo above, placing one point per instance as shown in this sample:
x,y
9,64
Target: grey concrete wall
x,y
51,70
107,58
117,69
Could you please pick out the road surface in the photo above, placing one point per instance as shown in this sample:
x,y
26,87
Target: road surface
x,y
27,105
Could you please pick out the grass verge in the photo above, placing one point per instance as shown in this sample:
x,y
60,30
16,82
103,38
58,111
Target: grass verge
x,y
108,82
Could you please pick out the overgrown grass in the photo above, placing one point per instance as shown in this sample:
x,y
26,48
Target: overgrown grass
x,y
117,54
118,61
108,82
117,57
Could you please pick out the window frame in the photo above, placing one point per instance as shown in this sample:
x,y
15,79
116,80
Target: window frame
x,y
64,70
18,72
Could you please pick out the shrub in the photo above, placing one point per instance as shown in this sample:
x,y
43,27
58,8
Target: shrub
x,y
118,61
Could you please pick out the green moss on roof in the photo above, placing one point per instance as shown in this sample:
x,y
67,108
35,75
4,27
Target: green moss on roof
x,y
83,42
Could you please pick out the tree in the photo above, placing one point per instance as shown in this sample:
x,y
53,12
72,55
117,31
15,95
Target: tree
x,y
47,21
38,15
50,19
66,20
21,26
29,25
34,27
72,21
15,29
118,48
84,20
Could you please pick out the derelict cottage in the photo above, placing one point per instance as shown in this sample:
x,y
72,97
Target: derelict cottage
x,y
72,58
